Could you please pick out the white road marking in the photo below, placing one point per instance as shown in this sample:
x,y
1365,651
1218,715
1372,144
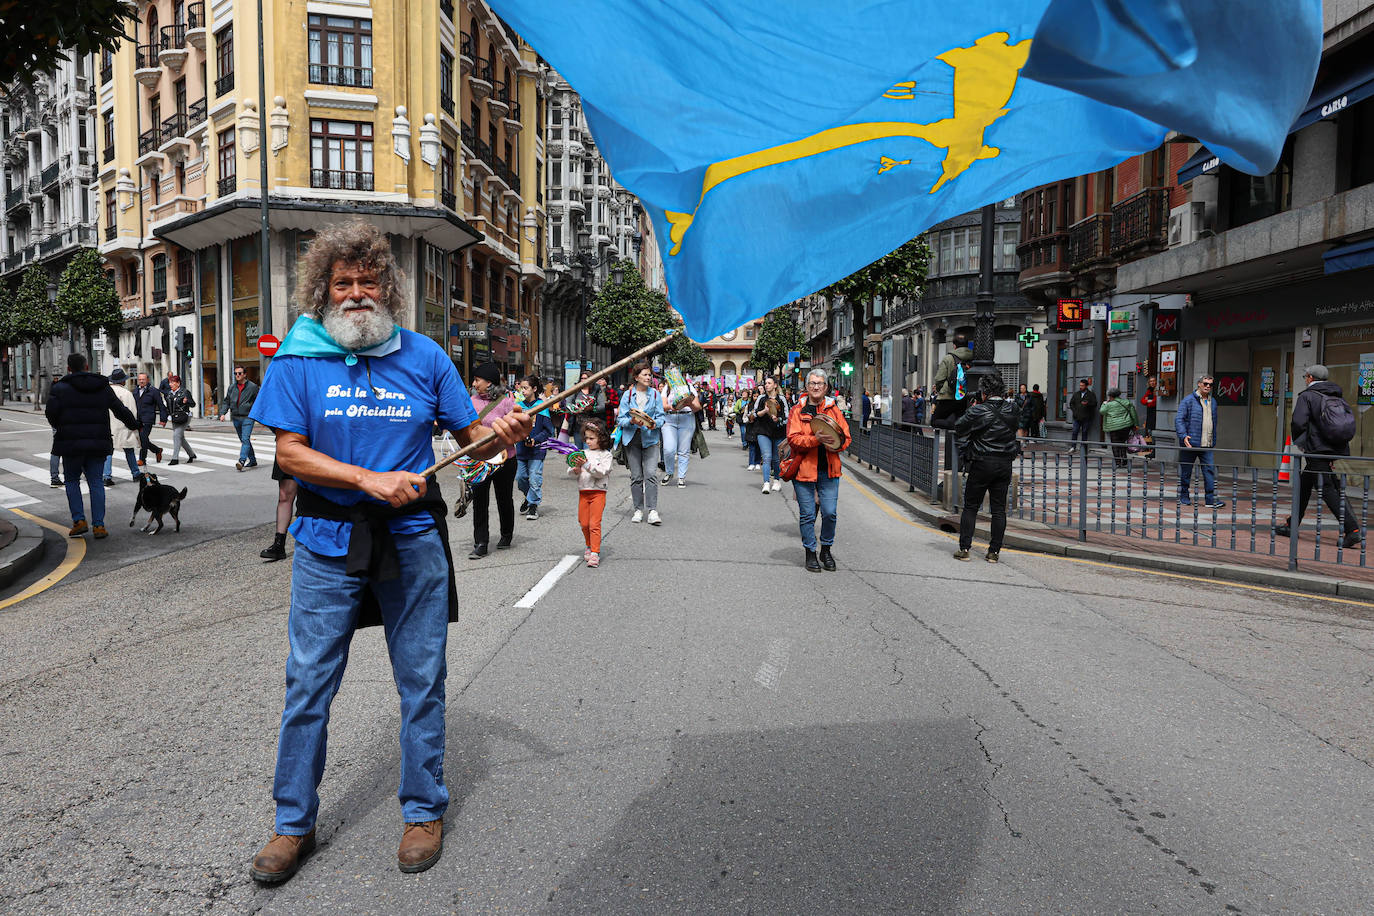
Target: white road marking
x,y
151,465
550,578
10,499
770,672
232,447
36,474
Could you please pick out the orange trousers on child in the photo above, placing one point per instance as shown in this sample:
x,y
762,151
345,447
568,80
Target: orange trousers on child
x,y
590,504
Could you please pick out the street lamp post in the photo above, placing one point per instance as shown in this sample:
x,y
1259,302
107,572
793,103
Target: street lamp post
x,y
985,306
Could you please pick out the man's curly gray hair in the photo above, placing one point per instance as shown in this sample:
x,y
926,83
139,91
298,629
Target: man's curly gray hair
x,y
356,243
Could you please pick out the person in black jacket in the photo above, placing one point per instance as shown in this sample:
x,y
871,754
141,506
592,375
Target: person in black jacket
x,y
79,409
986,435
151,409
1307,435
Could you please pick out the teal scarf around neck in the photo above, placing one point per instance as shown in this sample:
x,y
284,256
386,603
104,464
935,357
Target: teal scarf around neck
x,y
308,337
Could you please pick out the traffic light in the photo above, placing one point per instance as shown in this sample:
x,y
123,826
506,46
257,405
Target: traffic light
x,y
846,368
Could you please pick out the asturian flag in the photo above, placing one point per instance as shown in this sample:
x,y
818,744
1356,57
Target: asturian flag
x,y
779,145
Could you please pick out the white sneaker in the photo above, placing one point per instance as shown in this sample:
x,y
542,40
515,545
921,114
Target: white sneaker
x,y
638,516
777,484
681,482
653,517
765,489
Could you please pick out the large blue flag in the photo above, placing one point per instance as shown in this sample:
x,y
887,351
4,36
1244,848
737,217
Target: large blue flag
x,y
779,145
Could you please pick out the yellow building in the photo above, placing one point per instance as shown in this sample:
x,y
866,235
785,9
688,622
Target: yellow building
x,y
408,113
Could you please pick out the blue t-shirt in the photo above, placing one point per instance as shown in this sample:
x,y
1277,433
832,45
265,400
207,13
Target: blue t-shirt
x,y
377,414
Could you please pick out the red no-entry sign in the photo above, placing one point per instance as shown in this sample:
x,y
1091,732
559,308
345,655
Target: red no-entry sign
x,y
267,345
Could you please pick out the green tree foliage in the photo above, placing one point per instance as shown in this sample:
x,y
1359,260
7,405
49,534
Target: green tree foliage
x,y
686,353
35,35
85,295
628,315
897,274
9,332
778,336
35,318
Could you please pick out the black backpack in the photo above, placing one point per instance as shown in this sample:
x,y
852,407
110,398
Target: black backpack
x,y
1334,420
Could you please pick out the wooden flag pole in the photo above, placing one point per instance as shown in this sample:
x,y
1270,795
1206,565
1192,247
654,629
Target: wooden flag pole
x,y
490,437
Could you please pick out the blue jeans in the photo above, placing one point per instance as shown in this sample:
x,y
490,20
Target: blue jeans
x,y
1186,457
73,466
768,456
324,610
244,428
129,456
826,490
1081,430
677,443
529,477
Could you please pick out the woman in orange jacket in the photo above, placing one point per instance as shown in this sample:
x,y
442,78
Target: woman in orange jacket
x,y
817,483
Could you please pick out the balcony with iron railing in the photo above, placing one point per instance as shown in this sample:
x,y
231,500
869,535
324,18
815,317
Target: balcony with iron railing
x,y
227,185
173,127
446,99
448,199
1140,224
339,75
50,175
499,100
149,140
484,156
1089,241
469,136
1044,260
224,84
146,68
195,25
183,291
481,80
196,114
338,180
159,293
513,122
108,154
16,198
111,232
173,37
106,73
465,55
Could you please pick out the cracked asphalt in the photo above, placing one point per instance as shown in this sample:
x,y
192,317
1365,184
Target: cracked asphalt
x,y
701,726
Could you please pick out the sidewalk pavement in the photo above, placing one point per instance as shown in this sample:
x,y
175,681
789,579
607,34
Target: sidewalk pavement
x,y
1183,556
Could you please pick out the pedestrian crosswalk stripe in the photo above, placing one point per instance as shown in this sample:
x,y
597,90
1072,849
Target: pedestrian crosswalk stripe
x,y
36,474
10,499
231,448
155,468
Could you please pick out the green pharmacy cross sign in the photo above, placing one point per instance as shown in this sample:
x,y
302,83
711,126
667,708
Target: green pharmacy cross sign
x,y
1028,337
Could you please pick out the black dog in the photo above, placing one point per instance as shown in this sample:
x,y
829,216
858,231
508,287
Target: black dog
x,y
157,498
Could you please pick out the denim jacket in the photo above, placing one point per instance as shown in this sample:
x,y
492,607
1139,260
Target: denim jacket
x,y
628,429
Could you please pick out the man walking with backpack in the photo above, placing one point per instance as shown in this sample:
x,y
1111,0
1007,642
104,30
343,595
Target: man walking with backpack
x,y
1323,425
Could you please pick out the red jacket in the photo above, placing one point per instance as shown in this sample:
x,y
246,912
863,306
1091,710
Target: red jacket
x,y
804,442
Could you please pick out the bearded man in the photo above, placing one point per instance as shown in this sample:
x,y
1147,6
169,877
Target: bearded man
x,y
352,399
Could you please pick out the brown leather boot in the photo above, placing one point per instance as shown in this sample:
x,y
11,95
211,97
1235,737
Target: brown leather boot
x,y
421,846
281,857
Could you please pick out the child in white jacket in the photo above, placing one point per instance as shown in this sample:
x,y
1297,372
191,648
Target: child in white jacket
x,y
592,472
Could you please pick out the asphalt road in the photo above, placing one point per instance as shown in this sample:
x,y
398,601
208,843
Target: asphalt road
x,y
701,726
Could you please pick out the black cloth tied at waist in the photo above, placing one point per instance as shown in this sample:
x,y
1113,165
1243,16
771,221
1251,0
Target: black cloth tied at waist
x,y
371,545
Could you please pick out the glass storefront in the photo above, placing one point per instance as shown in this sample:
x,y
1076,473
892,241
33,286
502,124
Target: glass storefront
x,y
245,283
207,343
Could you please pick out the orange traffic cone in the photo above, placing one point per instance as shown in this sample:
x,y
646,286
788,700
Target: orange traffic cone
x,y
1284,463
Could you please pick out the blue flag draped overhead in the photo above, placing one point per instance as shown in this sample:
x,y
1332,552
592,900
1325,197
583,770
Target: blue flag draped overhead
x,y
779,145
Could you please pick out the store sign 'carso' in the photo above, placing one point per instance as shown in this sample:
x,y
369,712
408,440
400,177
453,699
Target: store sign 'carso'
x,y
1070,316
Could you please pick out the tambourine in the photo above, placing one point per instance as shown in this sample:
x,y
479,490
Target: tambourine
x,y
827,431
681,400
575,457
642,418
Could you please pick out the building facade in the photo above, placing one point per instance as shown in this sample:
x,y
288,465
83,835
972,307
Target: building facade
x,y
46,131
411,116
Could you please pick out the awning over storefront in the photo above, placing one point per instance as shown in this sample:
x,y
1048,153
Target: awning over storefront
x,y
1350,257
239,217
1203,162
1325,101
1331,99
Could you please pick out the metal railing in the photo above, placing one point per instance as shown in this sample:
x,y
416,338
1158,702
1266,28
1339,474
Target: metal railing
x,y
465,45
1141,221
50,174
108,154
1105,490
446,99
195,15
149,141
339,75
159,293
1088,240
173,37
145,57
337,180
183,291
111,232
196,114
174,126
448,199
224,84
228,185
15,197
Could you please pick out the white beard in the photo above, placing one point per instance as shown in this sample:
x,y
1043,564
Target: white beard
x,y
357,330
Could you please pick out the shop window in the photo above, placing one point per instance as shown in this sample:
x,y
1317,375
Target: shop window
x,y
1357,146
